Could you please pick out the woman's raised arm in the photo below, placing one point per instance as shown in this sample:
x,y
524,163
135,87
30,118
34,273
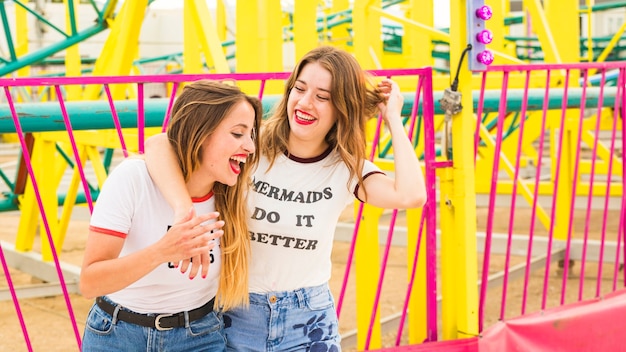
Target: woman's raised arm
x,y
167,175
407,188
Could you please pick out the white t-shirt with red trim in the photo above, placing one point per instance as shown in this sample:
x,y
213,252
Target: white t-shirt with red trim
x,y
131,206
294,210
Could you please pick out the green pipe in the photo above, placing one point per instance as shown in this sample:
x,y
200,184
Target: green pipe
x,y
605,6
11,203
39,55
7,31
72,15
95,8
6,180
513,20
42,19
8,204
107,158
108,10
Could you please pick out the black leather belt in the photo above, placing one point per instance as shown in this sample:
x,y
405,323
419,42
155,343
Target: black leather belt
x,y
159,321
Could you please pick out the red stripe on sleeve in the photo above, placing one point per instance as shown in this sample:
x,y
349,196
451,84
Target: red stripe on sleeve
x,y
107,231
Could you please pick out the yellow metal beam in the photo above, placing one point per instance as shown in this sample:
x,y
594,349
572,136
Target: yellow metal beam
x,y
367,274
544,32
610,46
564,21
368,45
72,54
21,36
414,41
305,35
120,49
417,303
207,35
460,280
221,21
340,35
192,60
496,24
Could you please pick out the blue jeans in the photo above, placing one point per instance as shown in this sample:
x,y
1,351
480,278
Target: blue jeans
x,y
106,333
300,320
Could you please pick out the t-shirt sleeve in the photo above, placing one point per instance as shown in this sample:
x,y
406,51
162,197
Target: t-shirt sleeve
x,y
115,205
369,168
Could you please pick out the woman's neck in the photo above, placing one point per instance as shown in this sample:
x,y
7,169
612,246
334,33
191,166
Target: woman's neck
x,y
305,149
199,186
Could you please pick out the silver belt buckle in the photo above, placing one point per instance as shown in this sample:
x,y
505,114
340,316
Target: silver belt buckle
x,y
157,322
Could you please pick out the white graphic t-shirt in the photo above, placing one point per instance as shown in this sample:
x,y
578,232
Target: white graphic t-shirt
x,y
131,206
294,211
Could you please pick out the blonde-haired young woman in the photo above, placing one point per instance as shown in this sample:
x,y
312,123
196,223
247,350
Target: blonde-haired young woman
x,y
131,263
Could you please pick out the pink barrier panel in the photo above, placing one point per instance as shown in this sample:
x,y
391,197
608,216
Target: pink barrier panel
x,y
590,325
464,345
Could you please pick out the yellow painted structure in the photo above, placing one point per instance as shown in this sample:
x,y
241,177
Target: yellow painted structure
x,y
260,42
459,260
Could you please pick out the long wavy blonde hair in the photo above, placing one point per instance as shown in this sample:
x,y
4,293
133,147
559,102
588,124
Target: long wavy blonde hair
x,y
354,99
197,112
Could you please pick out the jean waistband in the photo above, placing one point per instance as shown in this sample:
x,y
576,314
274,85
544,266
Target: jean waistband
x,y
157,321
289,298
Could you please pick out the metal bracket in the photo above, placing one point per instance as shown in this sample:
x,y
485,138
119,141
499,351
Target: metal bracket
x,y
450,103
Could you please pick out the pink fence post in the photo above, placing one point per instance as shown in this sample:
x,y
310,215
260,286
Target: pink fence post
x,y
583,260
616,112
383,266
568,244
166,118
533,213
141,118
428,110
514,197
116,120
546,277
492,200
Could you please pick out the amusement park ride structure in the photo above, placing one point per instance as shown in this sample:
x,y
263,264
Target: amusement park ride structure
x,y
250,36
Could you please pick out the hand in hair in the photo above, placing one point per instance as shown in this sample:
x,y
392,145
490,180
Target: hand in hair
x,y
392,107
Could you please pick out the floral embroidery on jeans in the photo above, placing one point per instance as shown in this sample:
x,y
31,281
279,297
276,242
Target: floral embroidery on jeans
x,y
314,329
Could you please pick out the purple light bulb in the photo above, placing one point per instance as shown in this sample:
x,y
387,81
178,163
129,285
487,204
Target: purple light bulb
x,y
484,12
486,57
485,36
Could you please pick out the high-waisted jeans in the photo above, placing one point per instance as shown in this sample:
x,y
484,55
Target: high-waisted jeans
x,y
106,333
300,320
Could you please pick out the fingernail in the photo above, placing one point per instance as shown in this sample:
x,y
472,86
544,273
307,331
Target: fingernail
x,y
204,276
191,277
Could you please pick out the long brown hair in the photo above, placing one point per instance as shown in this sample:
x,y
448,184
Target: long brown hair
x,y
354,100
197,112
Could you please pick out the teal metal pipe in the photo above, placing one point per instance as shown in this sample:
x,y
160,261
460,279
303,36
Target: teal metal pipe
x,y
39,55
11,203
42,19
88,115
7,30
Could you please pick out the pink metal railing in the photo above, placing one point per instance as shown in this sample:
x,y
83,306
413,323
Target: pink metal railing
x,y
423,97
580,186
